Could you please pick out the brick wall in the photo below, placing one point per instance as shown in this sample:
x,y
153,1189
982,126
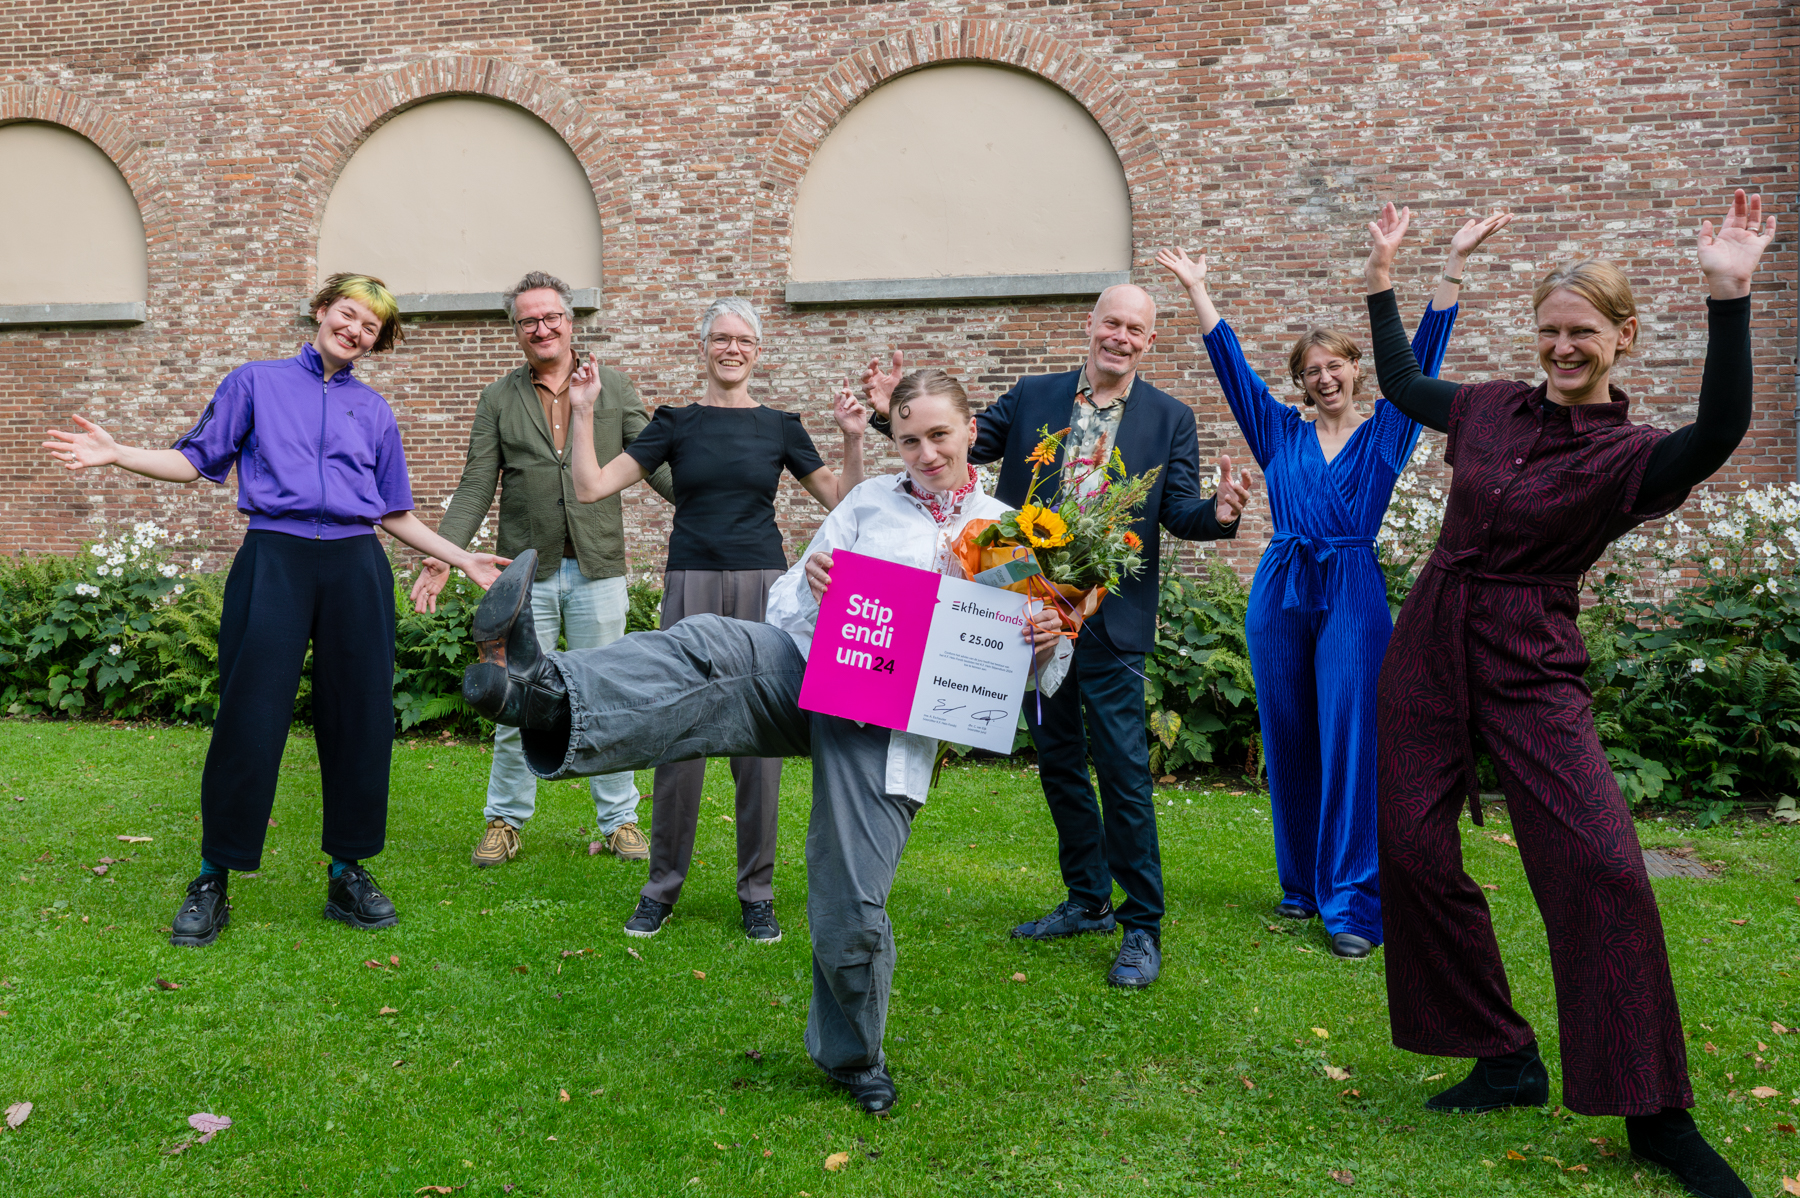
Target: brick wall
x,y
1261,133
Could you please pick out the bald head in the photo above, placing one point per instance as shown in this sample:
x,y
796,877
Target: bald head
x,y
1121,329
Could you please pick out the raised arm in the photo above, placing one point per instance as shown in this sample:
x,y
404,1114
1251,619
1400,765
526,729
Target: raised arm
x,y
94,446
1424,399
1690,454
594,482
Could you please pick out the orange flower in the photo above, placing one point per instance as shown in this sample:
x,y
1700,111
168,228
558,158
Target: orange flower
x,y
1044,454
1134,541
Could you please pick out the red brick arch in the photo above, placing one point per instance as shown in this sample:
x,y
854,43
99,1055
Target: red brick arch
x,y
578,123
120,141
1147,176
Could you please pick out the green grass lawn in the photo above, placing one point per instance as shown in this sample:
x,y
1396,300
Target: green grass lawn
x,y
511,1065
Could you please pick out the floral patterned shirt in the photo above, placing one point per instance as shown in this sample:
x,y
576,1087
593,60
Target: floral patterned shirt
x,y
1091,428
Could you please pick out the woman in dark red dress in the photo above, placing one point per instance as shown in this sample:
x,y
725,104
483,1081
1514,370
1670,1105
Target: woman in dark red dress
x,y
1486,651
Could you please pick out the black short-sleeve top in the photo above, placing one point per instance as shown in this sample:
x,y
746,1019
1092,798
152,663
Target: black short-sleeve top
x,y
726,465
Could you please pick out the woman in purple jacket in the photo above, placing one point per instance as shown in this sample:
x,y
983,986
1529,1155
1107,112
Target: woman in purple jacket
x,y
319,465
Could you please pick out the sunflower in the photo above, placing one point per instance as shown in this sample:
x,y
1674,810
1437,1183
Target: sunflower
x,y
1043,527
1132,540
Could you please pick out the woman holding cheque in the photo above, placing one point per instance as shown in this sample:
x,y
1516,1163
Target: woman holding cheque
x,y
714,686
1318,621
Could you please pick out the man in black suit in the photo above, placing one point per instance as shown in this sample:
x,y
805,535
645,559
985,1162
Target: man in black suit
x,y
1102,716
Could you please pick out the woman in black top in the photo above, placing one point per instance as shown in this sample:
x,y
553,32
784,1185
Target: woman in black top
x,y
1486,652
726,454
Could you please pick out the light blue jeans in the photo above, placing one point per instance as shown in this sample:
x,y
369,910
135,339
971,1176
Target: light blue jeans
x,y
590,612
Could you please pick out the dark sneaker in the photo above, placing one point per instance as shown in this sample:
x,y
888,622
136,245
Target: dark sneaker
x,y
649,917
1670,1139
759,921
1139,960
1351,946
877,1096
1070,918
1517,1079
1289,910
355,899
203,914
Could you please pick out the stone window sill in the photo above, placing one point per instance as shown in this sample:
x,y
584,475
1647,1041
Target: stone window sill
x,y
27,315
947,288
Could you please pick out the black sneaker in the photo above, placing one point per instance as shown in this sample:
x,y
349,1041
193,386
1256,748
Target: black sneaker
x,y
759,921
650,916
1068,919
877,1095
203,913
355,899
1139,961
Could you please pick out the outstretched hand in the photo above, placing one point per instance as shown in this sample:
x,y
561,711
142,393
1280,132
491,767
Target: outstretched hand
x,y
433,574
484,568
584,384
1728,256
1386,232
1468,239
1233,495
1189,272
878,385
92,446
849,413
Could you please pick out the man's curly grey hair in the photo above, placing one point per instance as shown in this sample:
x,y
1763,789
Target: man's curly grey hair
x,y
730,305
538,280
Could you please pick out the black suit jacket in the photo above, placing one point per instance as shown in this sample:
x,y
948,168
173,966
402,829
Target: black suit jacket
x,y
1156,430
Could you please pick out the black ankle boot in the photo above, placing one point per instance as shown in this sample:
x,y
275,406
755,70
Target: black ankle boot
x,y
1670,1139
1516,1079
514,683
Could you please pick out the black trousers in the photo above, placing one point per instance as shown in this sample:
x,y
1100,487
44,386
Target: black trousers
x,y
1098,712
282,592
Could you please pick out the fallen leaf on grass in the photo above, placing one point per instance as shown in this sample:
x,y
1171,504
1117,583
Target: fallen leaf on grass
x,y
601,1090
17,1113
562,1096
167,985
1436,1077
1576,1169
1350,1093
753,1053
521,969
700,973
720,1146
1739,922
634,952
594,847
1514,1156
393,960
1018,977
399,1063
1779,1030
1503,838
1248,1084
108,861
437,1189
208,1125
1787,1128
1489,886
388,1011
1765,1092
1790,1185
836,1161
1710,1048
374,964
1321,1033
1343,1177
1333,1073
136,839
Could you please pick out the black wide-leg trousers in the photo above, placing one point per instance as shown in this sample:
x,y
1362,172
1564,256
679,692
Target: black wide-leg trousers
x,y
282,593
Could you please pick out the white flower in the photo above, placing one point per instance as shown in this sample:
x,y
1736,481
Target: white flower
x,y
102,571
1717,563
115,650
97,550
1697,666
169,570
1773,589
86,588
1756,590
178,589
198,562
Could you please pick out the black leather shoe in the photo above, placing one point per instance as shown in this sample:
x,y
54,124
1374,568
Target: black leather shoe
x,y
1517,1079
649,917
202,915
513,683
355,899
877,1095
1670,1139
1350,946
1139,960
1292,911
1068,919
760,924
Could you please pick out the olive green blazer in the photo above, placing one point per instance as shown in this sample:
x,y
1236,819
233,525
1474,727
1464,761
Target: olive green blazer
x,y
510,445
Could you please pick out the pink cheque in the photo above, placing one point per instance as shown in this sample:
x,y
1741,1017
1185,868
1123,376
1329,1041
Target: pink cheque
x,y
870,640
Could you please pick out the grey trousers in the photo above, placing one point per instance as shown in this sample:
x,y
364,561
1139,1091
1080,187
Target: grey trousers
x,y
675,797
715,687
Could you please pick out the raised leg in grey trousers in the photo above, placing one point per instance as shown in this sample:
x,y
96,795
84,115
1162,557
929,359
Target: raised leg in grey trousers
x,y
853,845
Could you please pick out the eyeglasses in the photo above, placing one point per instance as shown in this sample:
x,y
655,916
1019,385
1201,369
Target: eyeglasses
x,y
1312,373
726,341
530,324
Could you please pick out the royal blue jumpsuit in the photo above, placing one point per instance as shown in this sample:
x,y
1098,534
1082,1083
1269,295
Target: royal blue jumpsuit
x,y
1318,626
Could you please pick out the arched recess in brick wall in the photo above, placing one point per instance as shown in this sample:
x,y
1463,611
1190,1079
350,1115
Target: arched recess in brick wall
x,y
132,155
996,43
380,101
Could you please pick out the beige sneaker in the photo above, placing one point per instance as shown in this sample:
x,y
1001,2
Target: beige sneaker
x,y
499,844
629,843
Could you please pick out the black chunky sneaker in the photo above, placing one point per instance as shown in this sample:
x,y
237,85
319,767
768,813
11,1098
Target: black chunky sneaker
x,y
513,683
1289,910
355,899
1670,1139
649,917
1350,946
202,915
877,1095
1516,1079
1068,919
1139,961
759,921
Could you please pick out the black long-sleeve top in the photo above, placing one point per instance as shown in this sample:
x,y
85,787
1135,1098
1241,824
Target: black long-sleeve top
x,y
1687,456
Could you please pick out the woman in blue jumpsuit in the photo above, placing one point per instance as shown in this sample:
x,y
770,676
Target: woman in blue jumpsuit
x,y
1318,622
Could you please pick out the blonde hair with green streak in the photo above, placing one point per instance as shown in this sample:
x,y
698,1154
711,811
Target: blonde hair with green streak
x,y
372,294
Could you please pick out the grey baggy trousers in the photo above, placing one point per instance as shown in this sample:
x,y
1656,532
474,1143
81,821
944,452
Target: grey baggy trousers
x,y
717,687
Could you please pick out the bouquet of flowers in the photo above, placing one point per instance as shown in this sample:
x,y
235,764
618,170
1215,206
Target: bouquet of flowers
x,y
1071,554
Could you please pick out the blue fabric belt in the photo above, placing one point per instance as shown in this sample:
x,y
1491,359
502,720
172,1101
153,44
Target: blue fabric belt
x,y
1299,556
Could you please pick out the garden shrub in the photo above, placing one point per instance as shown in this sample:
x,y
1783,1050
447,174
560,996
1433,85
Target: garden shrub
x,y
1200,700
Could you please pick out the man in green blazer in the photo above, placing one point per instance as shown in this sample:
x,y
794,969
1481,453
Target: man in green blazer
x,y
520,441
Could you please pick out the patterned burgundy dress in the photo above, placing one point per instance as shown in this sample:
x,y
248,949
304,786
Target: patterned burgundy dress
x,y
1486,651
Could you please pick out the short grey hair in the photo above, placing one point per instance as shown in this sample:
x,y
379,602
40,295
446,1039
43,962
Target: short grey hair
x,y
538,280
730,305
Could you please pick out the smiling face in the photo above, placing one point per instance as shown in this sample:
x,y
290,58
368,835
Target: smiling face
x,y
348,329
933,438
544,346
730,350
1328,379
1577,346
1120,330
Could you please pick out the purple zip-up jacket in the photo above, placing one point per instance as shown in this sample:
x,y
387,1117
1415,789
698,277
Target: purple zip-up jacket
x,y
315,459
